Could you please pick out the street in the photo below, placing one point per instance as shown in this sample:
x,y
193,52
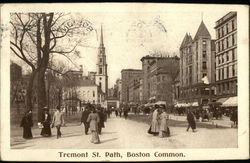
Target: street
x,y
121,133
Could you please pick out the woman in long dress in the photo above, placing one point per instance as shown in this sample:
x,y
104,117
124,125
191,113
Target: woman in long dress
x,y
191,121
27,123
164,130
155,122
46,121
93,121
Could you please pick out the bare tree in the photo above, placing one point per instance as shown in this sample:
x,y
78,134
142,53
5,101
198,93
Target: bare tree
x,y
38,36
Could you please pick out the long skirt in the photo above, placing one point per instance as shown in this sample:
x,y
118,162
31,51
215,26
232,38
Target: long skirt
x,y
46,131
95,138
27,134
192,124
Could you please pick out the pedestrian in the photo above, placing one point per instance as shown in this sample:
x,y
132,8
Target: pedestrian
x,y
85,115
164,129
109,112
125,113
93,120
116,112
234,118
191,120
154,128
120,112
102,118
58,121
27,123
46,121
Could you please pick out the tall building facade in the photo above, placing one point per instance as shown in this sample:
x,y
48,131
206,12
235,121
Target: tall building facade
x,y
226,55
128,75
101,77
197,57
158,75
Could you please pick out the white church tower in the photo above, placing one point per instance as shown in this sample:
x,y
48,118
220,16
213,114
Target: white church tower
x,y
101,77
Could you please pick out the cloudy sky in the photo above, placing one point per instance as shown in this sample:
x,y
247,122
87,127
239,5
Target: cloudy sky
x,y
135,30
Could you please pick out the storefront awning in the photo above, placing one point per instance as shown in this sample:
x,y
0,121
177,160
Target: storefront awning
x,y
222,100
182,105
160,103
194,104
232,101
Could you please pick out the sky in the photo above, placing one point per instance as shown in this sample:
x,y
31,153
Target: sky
x,y
128,36
128,39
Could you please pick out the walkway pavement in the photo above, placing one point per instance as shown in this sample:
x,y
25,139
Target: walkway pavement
x,y
121,133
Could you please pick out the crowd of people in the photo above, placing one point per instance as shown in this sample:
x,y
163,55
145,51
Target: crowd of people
x,y
159,124
93,118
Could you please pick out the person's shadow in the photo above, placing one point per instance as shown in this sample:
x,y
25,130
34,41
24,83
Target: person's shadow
x,y
107,140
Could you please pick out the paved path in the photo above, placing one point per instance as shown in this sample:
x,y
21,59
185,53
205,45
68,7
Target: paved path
x,y
121,133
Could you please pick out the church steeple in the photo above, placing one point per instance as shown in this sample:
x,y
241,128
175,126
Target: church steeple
x,y
101,38
102,74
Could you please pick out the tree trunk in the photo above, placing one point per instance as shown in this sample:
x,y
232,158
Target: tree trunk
x,y
41,93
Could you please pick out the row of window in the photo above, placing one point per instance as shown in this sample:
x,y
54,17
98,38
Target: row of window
x,y
227,28
93,93
229,87
227,72
226,43
227,56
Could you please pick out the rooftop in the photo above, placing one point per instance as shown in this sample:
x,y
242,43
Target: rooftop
x,y
202,31
225,18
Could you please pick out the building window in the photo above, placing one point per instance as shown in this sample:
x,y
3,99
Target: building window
x,y
222,31
227,44
100,78
222,73
204,44
222,45
219,60
100,59
218,33
227,56
227,85
232,24
93,101
204,65
100,70
93,93
233,41
233,71
204,74
227,72
222,58
233,55
100,84
227,28
204,54
223,87
219,75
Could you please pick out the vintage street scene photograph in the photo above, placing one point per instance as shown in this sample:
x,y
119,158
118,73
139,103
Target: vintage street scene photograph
x,y
124,80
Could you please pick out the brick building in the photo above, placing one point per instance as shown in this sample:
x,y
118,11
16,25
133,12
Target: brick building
x,y
158,75
128,75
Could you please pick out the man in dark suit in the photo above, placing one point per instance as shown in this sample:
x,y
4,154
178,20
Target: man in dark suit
x,y
84,118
